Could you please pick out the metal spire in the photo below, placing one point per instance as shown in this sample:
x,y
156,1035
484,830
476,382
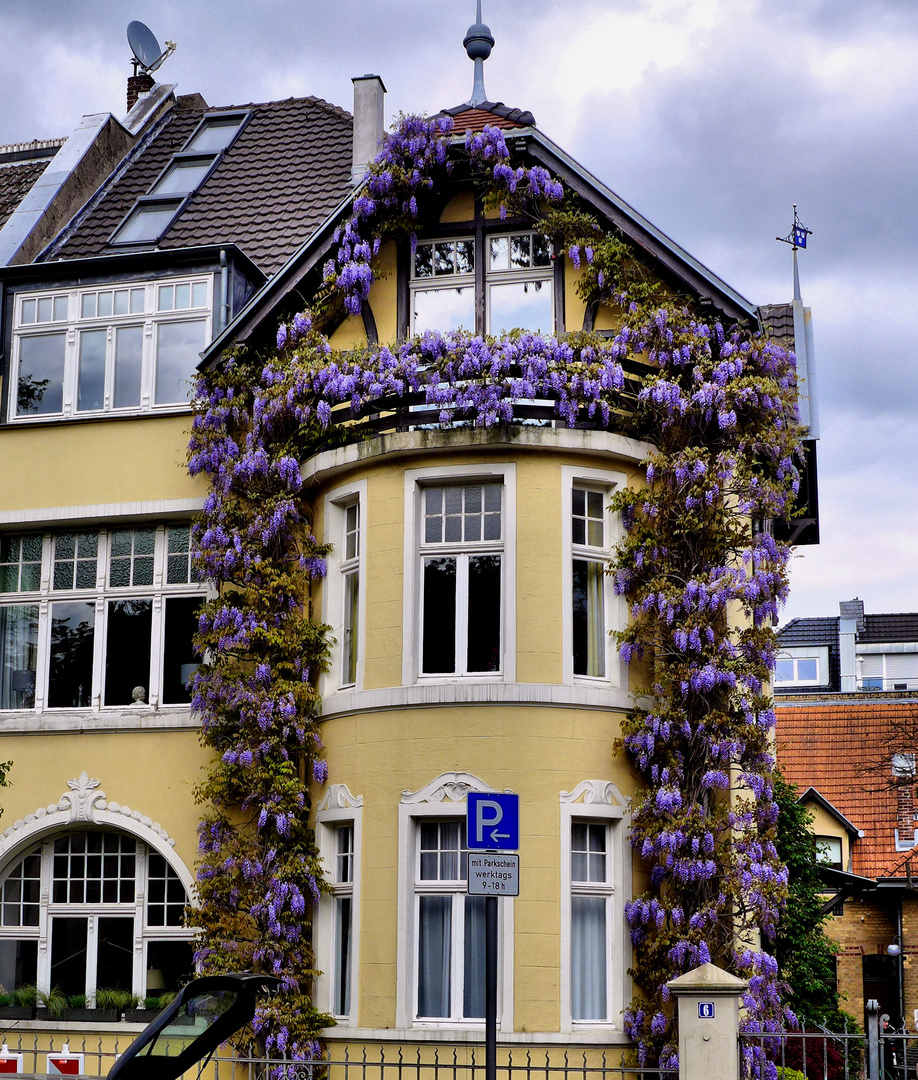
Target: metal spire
x,y
478,43
797,239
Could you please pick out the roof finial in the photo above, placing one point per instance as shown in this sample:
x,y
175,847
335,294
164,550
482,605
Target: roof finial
x,y
797,239
478,43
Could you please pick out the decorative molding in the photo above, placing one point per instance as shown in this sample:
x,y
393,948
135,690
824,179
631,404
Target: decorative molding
x,y
596,793
447,787
337,797
85,803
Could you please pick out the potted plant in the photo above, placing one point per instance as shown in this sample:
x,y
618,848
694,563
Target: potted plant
x,y
111,1003
148,1008
21,1003
78,1011
51,1004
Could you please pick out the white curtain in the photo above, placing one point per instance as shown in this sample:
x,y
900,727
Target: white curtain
x,y
588,957
596,629
434,955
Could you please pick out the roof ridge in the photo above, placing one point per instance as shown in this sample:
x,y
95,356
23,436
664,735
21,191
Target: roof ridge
x,y
309,99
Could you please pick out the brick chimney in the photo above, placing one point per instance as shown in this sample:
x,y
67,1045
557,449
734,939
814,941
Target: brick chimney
x,y
137,86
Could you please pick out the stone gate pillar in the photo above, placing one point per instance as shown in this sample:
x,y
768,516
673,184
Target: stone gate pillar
x,y
708,1000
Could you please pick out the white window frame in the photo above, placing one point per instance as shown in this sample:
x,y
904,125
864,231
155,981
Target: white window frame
x,y
143,933
598,801
335,508
412,614
99,596
150,320
615,609
338,807
501,276
444,798
805,652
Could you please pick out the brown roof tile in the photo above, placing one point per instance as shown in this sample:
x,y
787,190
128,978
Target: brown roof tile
x,y
15,183
827,746
489,114
288,168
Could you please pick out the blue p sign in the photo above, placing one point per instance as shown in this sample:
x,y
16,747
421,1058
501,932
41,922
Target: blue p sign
x,y
493,821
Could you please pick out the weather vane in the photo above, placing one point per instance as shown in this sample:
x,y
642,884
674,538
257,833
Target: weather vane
x,y
798,234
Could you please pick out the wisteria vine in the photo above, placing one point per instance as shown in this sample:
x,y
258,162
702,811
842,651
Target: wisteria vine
x,y
704,582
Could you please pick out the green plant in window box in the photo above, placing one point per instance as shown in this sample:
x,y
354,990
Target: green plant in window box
x,y
26,996
76,1001
52,1001
6,1000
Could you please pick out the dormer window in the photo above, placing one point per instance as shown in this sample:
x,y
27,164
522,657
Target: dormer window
x,y
518,284
108,349
153,214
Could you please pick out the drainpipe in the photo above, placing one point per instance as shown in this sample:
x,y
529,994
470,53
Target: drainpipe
x,y
223,317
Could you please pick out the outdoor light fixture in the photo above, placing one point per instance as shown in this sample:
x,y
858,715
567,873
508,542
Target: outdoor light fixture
x,y
894,948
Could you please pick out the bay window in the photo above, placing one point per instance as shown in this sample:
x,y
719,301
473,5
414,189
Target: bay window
x,y
108,349
97,618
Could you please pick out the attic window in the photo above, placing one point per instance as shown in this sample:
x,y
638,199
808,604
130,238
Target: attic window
x,y
153,214
216,133
147,222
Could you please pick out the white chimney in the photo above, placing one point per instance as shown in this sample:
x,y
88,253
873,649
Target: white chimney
x,y
369,99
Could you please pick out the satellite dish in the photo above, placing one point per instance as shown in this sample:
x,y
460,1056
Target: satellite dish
x,y
147,53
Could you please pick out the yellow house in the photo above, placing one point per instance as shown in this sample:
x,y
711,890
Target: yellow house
x,y
466,593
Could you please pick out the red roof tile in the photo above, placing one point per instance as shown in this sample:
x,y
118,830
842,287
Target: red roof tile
x,y
828,746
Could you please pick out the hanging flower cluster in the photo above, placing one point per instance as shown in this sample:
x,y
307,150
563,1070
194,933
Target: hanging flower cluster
x,y
704,581
717,404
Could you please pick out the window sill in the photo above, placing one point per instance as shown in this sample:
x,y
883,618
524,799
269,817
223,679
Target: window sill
x,y
465,1034
25,721
96,417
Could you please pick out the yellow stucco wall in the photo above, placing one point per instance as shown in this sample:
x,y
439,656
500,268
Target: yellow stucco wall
x,y
152,771
107,461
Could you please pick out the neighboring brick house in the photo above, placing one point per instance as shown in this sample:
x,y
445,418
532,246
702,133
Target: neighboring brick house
x,y
846,695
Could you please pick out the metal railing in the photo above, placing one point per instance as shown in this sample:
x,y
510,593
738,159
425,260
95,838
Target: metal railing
x,y
819,1054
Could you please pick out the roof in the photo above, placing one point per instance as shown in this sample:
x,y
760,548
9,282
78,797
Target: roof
x,y
489,114
817,631
778,321
823,630
826,746
16,182
888,628
288,168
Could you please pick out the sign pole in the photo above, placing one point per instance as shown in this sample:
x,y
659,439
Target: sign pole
x,y
490,988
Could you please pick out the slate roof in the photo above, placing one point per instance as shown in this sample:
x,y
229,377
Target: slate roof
x,y
825,746
778,321
819,631
285,172
489,113
888,628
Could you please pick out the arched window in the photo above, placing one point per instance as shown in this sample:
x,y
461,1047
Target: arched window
x,y
93,909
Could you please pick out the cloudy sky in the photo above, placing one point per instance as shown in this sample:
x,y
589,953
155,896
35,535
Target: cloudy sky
x,y
711,117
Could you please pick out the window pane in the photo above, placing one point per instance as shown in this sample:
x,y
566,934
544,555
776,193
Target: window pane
x,y
115,953
127,650
199,294
128,358
105,303
44,309
183,175
68,954
72,633
439,617
20,563
434,955
179,656
18,656
524,305
91,382
29,309
473,968
171,962
806,670
351,600
784,671
178,349
589,630
341,989
588,957
465,257
137,296
165,298
215,135
182,297
443,258
499,248
423,263
484,613
41,375
444,309
147,223
18,963
519,252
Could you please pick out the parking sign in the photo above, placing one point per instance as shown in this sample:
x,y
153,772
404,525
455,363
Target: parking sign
x,y
493,821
